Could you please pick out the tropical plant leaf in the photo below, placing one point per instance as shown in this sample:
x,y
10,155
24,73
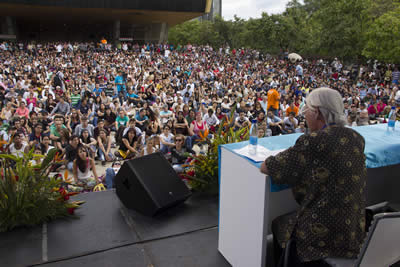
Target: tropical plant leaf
x,y
28,196
49,158
11,157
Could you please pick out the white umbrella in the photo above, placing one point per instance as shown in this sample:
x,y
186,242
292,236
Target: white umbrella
x,y
293,57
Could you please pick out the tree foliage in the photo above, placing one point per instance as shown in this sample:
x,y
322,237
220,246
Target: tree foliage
x,y
349,29
383,38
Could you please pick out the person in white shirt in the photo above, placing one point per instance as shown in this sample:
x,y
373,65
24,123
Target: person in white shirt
x,y
18,147
241,121
211,119
166,115
264,103
27,93
178,103
290,123
59,49
397,95
166,140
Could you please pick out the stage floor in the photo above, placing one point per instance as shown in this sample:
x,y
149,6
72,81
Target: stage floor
x,y
107,234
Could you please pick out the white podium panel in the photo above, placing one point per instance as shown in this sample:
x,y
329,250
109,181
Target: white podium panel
x,y
246,210
242,209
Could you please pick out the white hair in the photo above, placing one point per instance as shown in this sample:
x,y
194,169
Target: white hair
x,y
330,104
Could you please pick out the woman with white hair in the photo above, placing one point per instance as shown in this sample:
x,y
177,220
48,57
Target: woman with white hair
x,y
329,105
327,173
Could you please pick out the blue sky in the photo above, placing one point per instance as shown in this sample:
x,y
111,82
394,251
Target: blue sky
x,y
251,8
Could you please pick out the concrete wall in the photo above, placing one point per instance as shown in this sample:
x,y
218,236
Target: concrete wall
x,y
7,25
216,10
161,5
33,29
156,33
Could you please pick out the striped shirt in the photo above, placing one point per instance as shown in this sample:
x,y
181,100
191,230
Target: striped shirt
x,y
75,99
395,75
109,91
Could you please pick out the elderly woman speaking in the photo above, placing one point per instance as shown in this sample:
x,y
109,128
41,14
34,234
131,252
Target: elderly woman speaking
x,y
327,173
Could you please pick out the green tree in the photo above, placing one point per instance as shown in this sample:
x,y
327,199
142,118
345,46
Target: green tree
x,y
184,33
383,38
349,29
341,27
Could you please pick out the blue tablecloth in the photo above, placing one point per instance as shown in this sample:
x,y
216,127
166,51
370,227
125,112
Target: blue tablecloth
x,y
382,148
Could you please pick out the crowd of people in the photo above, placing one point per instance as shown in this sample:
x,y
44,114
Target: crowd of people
x,y
72,96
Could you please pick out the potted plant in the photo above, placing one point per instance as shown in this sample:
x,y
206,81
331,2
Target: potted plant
x,y
28,196
202,171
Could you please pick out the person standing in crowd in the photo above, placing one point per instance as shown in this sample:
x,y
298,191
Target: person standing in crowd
x,y
120,84
273,101
327,173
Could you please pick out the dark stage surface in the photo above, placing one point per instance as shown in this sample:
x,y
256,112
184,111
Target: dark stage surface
x,y
107,234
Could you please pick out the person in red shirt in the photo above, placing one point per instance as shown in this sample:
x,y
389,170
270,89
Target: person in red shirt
x,y
22,110
373,112
31,101
381,106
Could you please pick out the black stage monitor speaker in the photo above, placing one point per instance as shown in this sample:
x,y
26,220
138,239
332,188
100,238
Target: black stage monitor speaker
x,y
150,185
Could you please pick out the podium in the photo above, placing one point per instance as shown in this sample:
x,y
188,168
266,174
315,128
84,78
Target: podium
x,y
249,201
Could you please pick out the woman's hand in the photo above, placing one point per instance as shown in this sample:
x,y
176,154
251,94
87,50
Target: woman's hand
x,y
263,168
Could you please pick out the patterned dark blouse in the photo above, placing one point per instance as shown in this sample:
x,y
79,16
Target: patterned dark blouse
x,y
327,173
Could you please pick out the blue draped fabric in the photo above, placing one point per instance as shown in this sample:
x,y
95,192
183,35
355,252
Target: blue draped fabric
x,y
382,148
